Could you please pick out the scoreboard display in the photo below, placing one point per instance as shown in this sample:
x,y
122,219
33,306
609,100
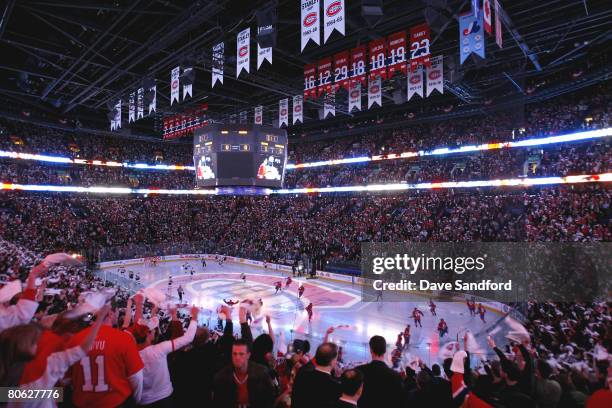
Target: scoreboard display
x,y
240,155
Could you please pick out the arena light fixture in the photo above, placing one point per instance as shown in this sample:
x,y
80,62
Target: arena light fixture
x,y
516,182
572,137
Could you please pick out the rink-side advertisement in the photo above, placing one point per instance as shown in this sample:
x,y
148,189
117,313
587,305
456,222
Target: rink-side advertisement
x,y
503,272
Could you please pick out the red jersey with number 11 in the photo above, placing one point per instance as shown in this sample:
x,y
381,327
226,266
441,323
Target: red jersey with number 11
x,y
101,378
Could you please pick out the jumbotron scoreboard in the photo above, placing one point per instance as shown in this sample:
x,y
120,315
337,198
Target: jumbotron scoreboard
x,y
240,155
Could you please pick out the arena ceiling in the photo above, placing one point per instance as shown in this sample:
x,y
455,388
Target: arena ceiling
x,y
70,58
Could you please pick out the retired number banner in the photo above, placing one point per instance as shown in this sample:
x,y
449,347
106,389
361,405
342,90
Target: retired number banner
x,y
341,70
378,59
397,53
419,46
325,76
358,65
310,82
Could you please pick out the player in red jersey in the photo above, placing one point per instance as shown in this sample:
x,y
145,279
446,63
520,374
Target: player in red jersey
x,y
278,286
309,311
481,312
300,291
288,281
432,307
407,335
416,315
442,328
111,373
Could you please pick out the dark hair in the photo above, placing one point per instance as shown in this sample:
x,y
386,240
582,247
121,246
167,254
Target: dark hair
x,y
511,370
435,369
326,352
262,345
423,378
378,345
544,369
351,381
243,342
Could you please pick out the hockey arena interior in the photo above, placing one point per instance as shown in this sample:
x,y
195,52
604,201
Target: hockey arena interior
x,y
235,203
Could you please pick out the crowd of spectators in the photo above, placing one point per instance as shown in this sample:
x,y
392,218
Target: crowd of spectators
x,y
154,355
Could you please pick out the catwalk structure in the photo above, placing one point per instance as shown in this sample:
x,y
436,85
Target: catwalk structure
x,y
334,304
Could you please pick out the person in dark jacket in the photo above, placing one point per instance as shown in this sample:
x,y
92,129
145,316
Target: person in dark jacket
x,y
379,379
243,383
316,387
352,387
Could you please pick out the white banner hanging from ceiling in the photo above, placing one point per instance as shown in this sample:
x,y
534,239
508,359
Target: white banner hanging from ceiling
x,y
283,112
310,22
329,104
140,113
263,54
243,117
174,85
355,96
153,104
259,115
374,92
415,82
298,108
217,64
435,75
333,17
132,108
243,51
116,121
187,88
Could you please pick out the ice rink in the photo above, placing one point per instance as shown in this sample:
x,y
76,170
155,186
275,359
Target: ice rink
x,y
335,303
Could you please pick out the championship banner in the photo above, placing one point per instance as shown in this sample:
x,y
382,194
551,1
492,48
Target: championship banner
x,y
486,9
243,51
374,92
329,105
153,104
283,112
471,36
140,102
243,117
358,65
310,83
435,75
310,22
187,88
174,85
132,108
333,17
415,82
498,25
378,58
298,108
325,76
263,54
259,115
217,64
341,73
419,46
397,53
355,97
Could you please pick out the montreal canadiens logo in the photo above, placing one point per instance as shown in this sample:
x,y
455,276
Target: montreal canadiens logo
x,y
174,84
258,118
310,19
415,79
297,109
333,9
374,89
354,94
284,112
243,51
434,75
